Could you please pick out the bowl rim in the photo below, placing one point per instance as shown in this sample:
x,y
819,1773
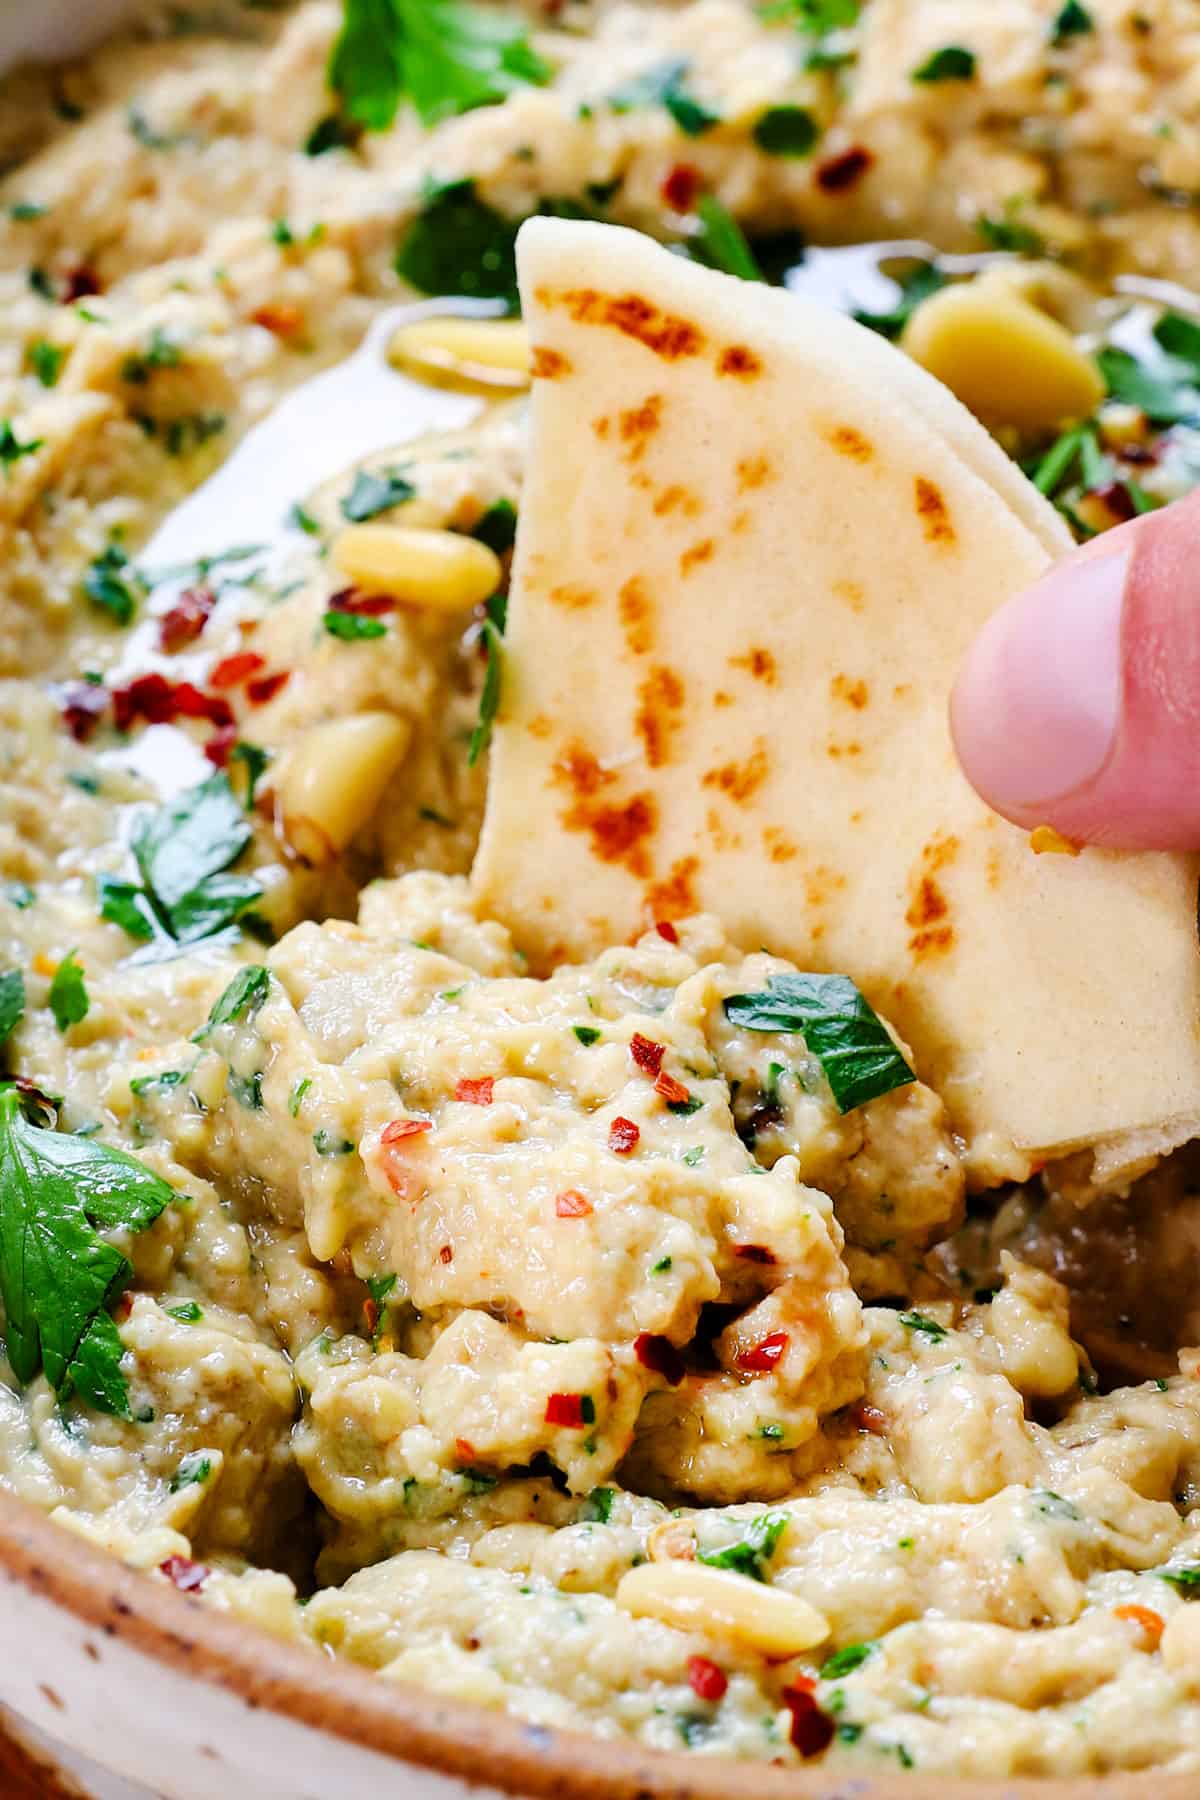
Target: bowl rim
x,y
450,1737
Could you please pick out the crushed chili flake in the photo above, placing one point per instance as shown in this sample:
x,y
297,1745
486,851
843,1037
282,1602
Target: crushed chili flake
x,y
1151,1623
83,704
869,1418
706,1681
755,1253
231,671
464,1449
566,1409
266,687
366,606
666,930
187,1575
571,1204
158,701
659,1355
80,282
446,1254
623,1136
371,1315
123,1307
184,621
1117,498
837,173
672,1091
475,1092
680,187
282,317
403,1128
220,744
762,1357
811,1729
646,1053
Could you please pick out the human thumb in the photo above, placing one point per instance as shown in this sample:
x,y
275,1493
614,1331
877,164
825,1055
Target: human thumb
x,y
1078,705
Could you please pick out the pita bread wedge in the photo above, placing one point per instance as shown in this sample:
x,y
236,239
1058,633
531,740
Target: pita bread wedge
x,y
754,544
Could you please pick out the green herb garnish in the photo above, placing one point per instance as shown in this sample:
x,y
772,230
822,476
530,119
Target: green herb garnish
x,y
917,1321
374,492
193,1471
1073,21
489,699
786,131
11,447
846,1660
445,56
750,1554
183,852
110,581
68,995
12,1002
57,1274
328,1143
188,1313
951,63
587,1034
839,1028
45,360
721,242
498,527
458,244
353,628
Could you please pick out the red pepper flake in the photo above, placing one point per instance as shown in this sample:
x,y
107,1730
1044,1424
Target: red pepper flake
x,y
659,1355
755,1253
464,1449
666,930
266,688
646,1053
706,1681
193,703
1117,498
283,317
123,1307
571,1204
680,187
371,1315
623,1136
157,700
762,1357
566,1409
403,1128
837,173
367,606
811,1730
477,1092
220,744
83,704
869,1418
672,1091
80,282
231,671
184,621
446,1254
187,1575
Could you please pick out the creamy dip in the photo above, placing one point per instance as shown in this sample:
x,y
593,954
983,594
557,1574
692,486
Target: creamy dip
x,y
559,1342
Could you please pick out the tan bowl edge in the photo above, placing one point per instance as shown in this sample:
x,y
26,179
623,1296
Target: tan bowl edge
x,y
448,1736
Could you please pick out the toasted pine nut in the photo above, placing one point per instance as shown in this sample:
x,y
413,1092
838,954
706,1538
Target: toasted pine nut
x,y
439,569
1006,359
722,1604
478,352
334,778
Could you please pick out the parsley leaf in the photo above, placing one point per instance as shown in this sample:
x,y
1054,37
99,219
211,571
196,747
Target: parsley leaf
x,y
446,56
664,85
916,285
749,1554
193,1471
353,627
458,244
1186,1581
68,996
916,1321
597,1507
241,999
786,131
1166,396
373,492
1073,20
721,243
12,1001
497,528
951,63
11,448
813,16
125,904
489,699
182,851
57,1274
1180,338
45,360
846,1660
847,1037
111,582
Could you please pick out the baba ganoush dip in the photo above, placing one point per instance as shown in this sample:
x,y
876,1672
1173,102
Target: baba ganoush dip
x,y
555,1339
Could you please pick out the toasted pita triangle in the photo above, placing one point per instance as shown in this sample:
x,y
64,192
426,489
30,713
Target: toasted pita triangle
x,y
754,544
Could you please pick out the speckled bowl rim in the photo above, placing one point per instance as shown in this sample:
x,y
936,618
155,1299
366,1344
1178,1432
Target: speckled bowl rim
x,y
450,1737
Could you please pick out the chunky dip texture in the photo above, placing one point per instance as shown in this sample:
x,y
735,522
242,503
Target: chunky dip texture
x,y
617,1344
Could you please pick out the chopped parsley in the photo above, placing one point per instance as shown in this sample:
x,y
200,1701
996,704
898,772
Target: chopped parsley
x,y
241,999
58,1275
12,449
162,352
45,360
160,1083
750,1554
587,1034
183,851
489,699
303,520
111,582
193,1471
328,1143
24,212
445,56
786,131
918,1321
68,995
353,628
1167,395
665,85
721,242
12,1002
1185,1581
597,1508
951,63
187,1312
498,526
296,1097
254,759
846,1660
1073,21
373,492
915,286
694,1157
839,1028
458,244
